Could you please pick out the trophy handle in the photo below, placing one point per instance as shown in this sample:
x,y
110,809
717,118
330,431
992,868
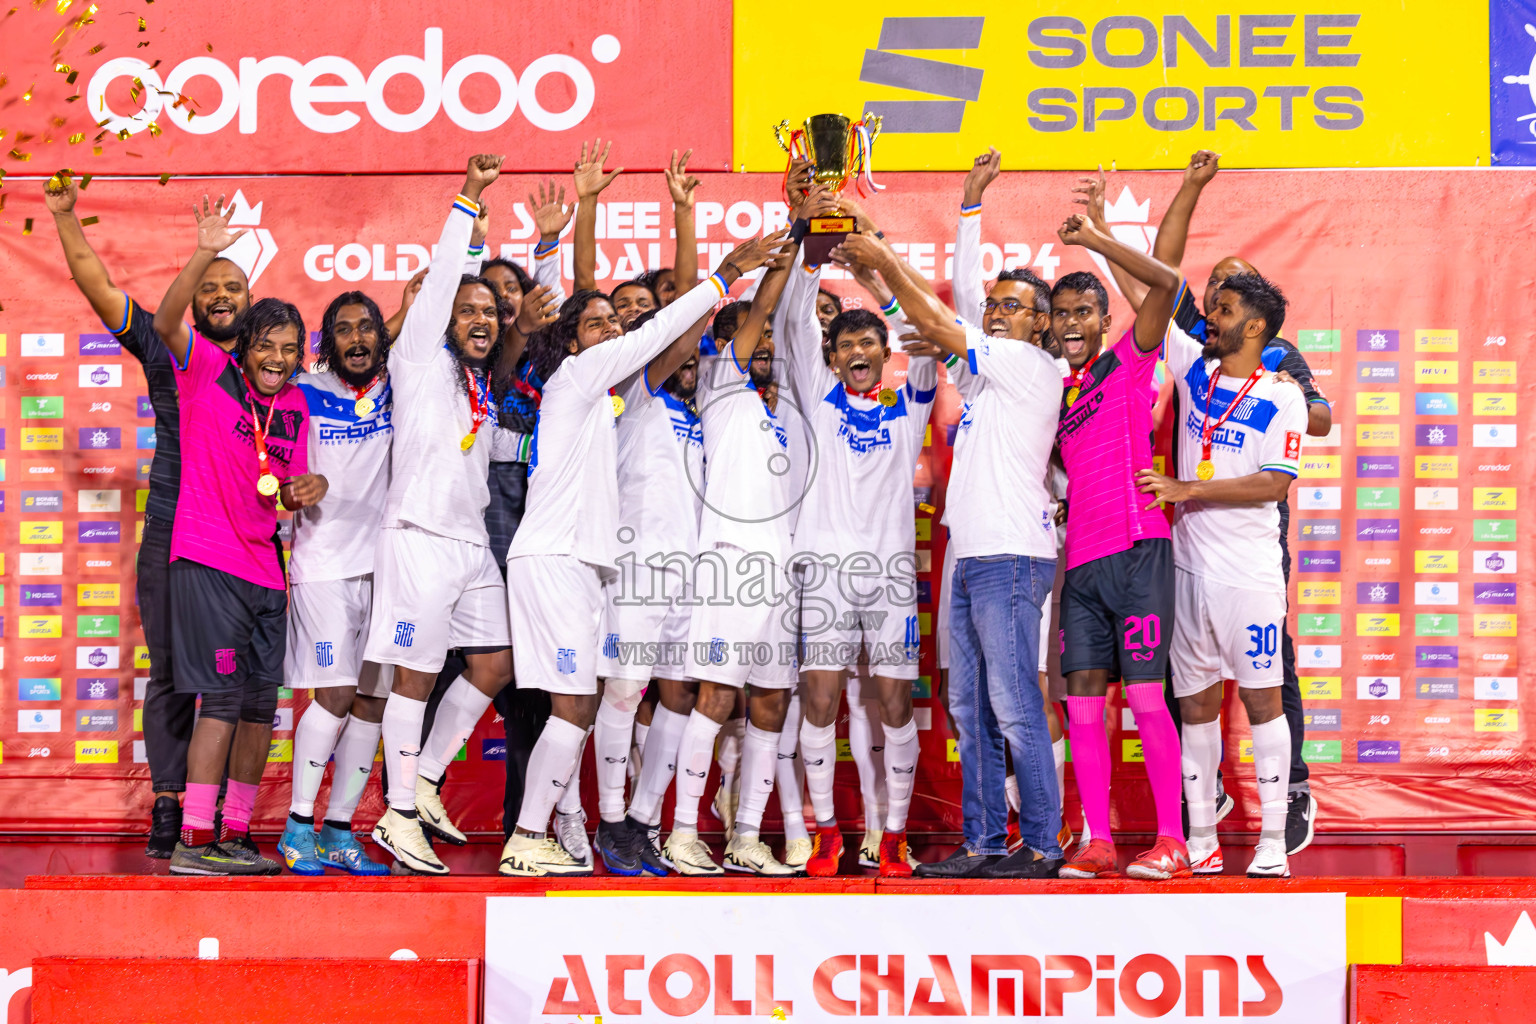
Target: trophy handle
x,y
872,125
778,135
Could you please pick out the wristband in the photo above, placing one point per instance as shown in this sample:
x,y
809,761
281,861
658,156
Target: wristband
x,y
477,250
546,247
719,282
969,211
734,267
952,361
891,307
798,229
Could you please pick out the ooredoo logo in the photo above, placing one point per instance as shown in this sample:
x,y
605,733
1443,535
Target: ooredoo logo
x,y
238,90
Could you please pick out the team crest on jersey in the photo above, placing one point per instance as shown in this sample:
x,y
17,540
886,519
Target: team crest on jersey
x,y
717,651
224,661
405,634
611,646
565,661
866,430
324,657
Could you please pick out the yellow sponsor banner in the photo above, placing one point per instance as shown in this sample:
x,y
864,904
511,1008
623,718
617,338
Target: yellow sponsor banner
x,y
1490,499
1376,403
1436,371
1493,403
951,752
1435,467
1376,435
1495,720
1320,466
95,752
1321,592
141,657
1377,624
138,719
1130,750
1435,561
1245,752
280,750
42,439
1493,372
41,627
1493,624
36,532
1060,85
99,595
1321,688
1434,341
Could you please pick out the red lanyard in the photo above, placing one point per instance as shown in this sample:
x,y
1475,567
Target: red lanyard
x,y
266,483
361,405
1207,428
1073,388
479,408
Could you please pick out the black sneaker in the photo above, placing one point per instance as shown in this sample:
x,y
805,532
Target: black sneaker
x,y
650,855
617,845
164,827
243,849
217,859
1022,863
1224,801
1300,815
959,864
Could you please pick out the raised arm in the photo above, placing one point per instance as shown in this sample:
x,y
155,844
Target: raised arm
x,y
1162,281
550,215
769,291
213,237
685,264
590,182
966,278
1173,232
1090,192
932,319
90,274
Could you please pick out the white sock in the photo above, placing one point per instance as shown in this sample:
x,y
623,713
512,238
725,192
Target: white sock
x,y
1202,757
759,762
660,763
402,747
787,776
570,796
313,740
1059,755
863,745
643,731
1272,765
900,773
695,750
550,765
354,764
818,749
457,716
1011,792
610,739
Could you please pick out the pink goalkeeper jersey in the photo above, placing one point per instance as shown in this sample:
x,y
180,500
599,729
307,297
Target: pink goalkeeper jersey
x,y
222,521
1106,439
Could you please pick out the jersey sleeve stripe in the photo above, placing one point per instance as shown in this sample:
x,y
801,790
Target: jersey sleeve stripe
x,y
1279,467
468,206
127,316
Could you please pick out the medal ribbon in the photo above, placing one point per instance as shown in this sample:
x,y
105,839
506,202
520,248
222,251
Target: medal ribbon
x,y
873,394
259,431
358,393
1207,428
1078,375
479,401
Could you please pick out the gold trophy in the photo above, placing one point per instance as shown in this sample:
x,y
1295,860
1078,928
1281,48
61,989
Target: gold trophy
x,y
839,151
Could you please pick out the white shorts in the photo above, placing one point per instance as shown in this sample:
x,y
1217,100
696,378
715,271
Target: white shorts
x,y
327,631
645,634
557,613
1222,632
745,630
846,618
431,594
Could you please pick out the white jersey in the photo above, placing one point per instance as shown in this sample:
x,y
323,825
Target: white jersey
x,y
335,539
748,493
997,503
435,486
661,472
1237,545
859,499
573,491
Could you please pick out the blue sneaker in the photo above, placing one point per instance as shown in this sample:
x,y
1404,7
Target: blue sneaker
x,y
298,849
339,849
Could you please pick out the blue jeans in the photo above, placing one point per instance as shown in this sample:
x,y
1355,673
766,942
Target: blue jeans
x,y
994,695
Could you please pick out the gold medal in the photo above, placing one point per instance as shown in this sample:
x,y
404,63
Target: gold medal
x,y
467,442
267,484
1205,470
618,405
1072,394
363,406
887,397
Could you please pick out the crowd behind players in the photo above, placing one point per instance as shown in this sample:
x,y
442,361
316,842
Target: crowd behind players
x,y
680,530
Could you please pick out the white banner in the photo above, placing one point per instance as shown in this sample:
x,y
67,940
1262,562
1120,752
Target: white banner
x,y
1075,958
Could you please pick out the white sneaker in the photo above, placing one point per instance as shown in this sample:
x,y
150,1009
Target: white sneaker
x,y
571,829
1269,860
404,838
688,854
869,849
724,806
433,815
1205,855
653,833
751,855
796,853
525,855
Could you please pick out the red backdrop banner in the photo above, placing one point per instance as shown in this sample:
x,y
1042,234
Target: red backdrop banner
x,y
1405,599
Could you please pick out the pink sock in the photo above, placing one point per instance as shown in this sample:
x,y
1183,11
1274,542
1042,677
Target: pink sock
x,y
1160,750
239,803
201,801
1090,761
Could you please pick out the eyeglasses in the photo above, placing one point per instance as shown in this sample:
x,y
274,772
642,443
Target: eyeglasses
x,y
1008,307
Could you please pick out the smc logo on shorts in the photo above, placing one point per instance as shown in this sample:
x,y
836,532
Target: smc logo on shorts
x,y
717,651
565,661
323,656
224,661
611,646
405,633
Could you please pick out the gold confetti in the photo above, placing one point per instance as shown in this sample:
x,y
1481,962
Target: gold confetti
x,y
93,51
56,121
778,1013
154,129
210,47
88,221
77,138
122,135
95,151
70,78
923,506
141,45
28,94
71,99
85,179
27,228
62,68
17,154
58,181
142,26
165,178
63,5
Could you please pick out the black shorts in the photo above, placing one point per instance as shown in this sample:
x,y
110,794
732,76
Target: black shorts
x,y
1117,612
228,635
